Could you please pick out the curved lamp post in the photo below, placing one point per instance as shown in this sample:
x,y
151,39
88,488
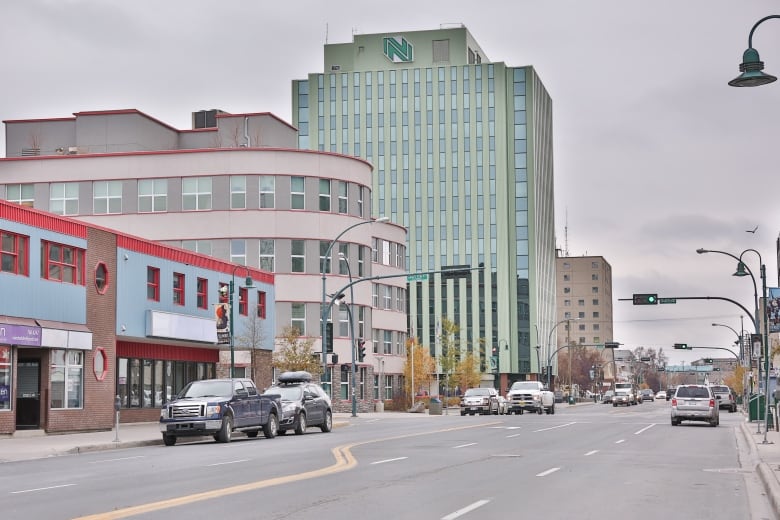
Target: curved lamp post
x,y
744,270
324,310
351,332
752,66
549,347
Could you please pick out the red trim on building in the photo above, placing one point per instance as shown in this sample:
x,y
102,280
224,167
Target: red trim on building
x,y
42,219
128,349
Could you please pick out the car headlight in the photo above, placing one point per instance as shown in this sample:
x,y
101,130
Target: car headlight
x,y
213,409
288,407
164,413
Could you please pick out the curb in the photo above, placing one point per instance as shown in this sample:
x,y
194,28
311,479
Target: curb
x,y
765,474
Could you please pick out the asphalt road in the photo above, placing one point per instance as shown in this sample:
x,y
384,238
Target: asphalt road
x,y
586,461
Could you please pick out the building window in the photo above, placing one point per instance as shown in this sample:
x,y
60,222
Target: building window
x,y
196,193
594,265
238,251
375,295
566,277
324,195
150,383
566,290
5,377
67,378
243,304
267,191
14,256
297,193
343,200
267,255
594,277
202,293
64,198
344,267
360,201
101,278
387,342
387,299
23,194
581,315
595,326
375,249
595,301
106,197
261,309
153,284
62,263
566,265
152,195
594,290
178,288
567,303
199,246
345,375
595,314
343,321
298,255
298,318
567,315
324,258
581,327
361,261
388,387
238,192
580,303
224,293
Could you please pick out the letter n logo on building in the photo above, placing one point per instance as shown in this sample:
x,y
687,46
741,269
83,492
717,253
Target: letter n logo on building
x,y
398,50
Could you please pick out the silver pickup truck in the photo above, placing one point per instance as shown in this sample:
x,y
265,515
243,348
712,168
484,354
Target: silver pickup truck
x,y
219,407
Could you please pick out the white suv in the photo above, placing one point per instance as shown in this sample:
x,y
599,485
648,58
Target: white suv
x,y
726,397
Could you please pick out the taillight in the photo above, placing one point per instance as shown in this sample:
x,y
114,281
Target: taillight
x,y
712,403
674,401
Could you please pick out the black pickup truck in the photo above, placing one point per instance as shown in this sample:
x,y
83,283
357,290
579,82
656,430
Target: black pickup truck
x,y
219,407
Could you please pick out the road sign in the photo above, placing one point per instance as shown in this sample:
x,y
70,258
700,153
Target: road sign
x,y
667,300
416,277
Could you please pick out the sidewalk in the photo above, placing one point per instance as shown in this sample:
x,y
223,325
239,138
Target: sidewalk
x,y
764,458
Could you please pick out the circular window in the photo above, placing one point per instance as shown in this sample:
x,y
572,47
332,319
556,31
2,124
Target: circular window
x,y
100,363
101,278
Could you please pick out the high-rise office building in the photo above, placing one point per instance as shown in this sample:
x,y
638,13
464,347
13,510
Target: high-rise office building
x,y
462,155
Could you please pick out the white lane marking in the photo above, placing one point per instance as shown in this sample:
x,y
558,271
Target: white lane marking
x,y
41,489
513,435
643,429
114,460
514,427
554,427
463,511
228,462
592,452
621,440
465,445
545,473
389,460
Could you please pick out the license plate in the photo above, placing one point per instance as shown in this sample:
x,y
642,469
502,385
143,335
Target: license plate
x,y
521,403
690,403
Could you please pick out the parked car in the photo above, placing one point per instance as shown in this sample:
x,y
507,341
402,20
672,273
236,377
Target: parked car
x,y
647,395
670,392
558,396
479,400
726,395
607,397
304,403
661,394
695,403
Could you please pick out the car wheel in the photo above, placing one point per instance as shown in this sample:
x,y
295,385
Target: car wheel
x,y
540,410
169,440
271,428
300,428
552,409
674,422
520,412
252,434
226,431
281,432
327,424
614,404
714,422
462,414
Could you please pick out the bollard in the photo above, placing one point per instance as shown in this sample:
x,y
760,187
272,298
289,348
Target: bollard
x,y
117,405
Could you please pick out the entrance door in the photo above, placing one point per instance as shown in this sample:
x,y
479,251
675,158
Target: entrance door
x,y
28,394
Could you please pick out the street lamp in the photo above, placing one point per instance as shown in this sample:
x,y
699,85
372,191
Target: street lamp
x,y
323,308
351,331
744,270
549,341
229,291
752,66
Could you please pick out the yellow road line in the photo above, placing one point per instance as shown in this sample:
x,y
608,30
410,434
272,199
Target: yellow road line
x,y
344,461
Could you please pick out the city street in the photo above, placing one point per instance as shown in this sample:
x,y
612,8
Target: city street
x,y
586,461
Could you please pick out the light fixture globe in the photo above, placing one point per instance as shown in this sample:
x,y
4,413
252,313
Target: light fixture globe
x,y
751,68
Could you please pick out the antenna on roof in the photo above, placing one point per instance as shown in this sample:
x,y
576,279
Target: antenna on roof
x,y
566,234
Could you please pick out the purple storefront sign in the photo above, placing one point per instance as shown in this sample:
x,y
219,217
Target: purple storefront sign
x,y
20,335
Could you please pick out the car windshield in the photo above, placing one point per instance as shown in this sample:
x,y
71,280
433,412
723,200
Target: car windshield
x,y
699,392
207,389
524,386
477,391
288,393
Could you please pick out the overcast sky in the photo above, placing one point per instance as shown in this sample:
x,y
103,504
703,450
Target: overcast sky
x,y
655,155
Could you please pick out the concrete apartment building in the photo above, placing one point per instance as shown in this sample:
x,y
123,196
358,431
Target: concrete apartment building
x,y
462,150
234,187
584,313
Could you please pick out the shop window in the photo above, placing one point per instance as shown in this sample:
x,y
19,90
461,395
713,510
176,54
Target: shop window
x,y
5,378
67,378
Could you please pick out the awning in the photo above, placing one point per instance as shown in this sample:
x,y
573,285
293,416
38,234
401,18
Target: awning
x,y
59,334
19,331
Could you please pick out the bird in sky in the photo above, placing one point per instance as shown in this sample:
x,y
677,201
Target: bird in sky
x,y
751,230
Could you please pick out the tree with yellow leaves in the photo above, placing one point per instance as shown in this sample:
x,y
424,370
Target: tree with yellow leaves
x,y
419,366
294,353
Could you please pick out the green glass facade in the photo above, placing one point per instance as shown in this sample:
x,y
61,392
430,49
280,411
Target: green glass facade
x,y
462,151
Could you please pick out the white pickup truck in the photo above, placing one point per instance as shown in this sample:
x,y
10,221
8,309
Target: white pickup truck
x,y
530,396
